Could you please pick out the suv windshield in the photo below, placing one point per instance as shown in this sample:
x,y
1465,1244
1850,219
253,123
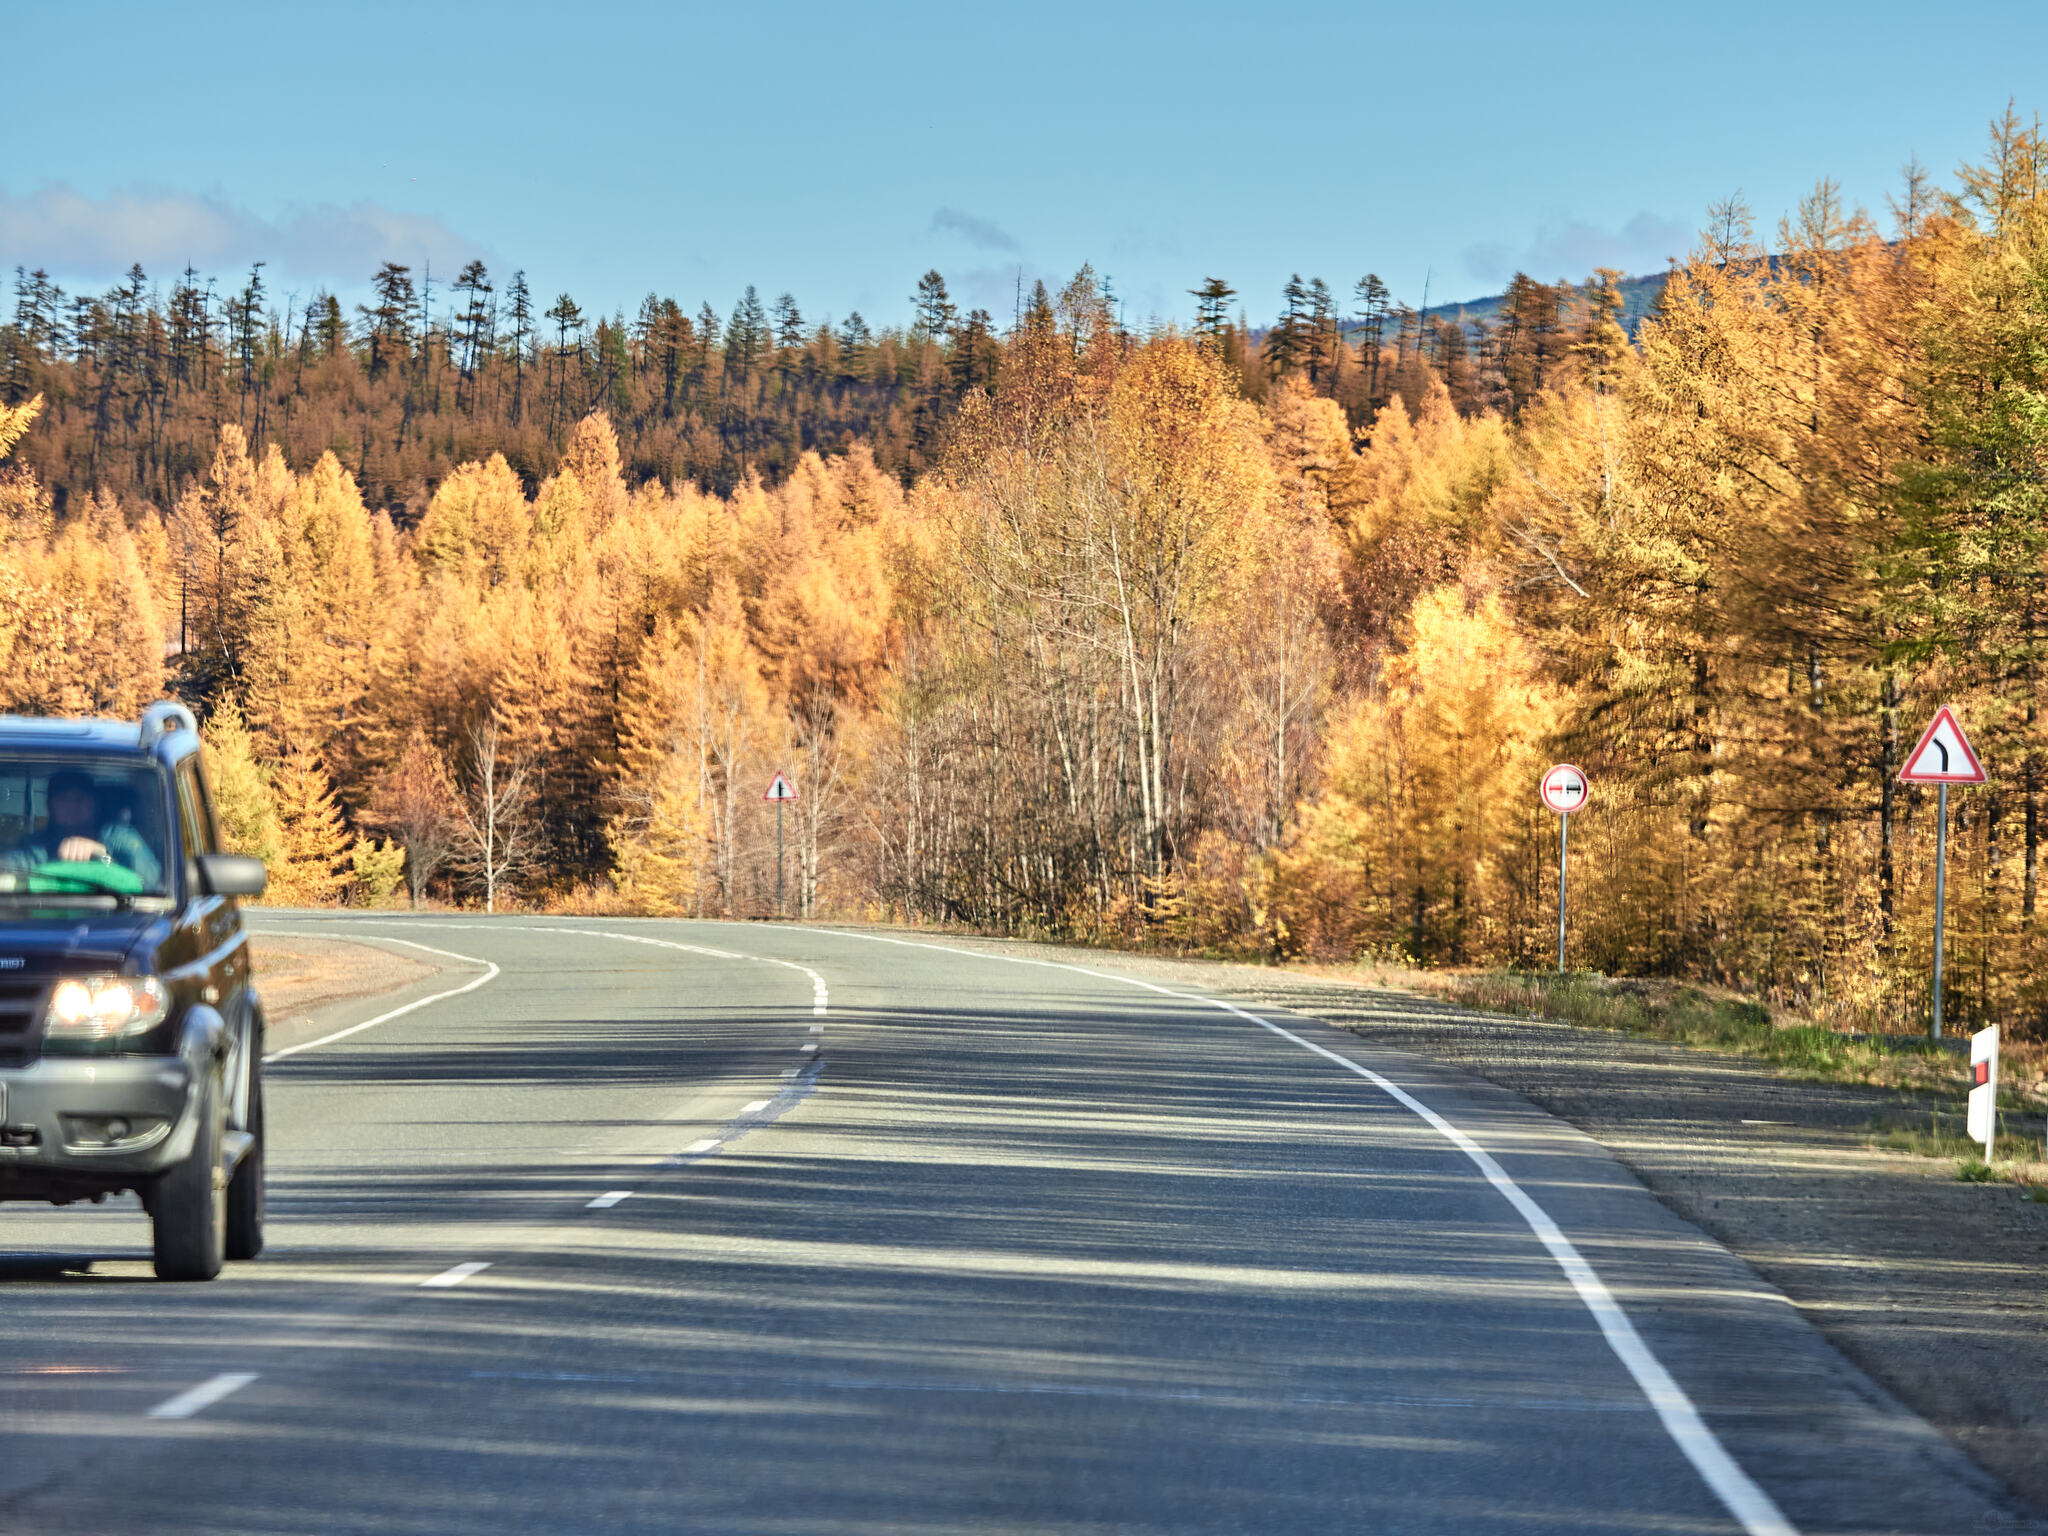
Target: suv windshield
x,y
82,825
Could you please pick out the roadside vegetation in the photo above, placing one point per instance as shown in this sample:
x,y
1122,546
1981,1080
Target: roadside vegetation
x,y
1718,1020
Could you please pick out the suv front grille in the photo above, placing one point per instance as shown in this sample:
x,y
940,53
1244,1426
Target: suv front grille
x,y
21,1007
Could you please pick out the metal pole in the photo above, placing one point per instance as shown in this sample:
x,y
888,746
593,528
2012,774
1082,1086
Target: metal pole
x,y
1564,844
778,858
1940,896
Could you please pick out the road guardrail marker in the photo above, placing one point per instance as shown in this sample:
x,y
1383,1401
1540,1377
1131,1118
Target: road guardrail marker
x,y
1983,1119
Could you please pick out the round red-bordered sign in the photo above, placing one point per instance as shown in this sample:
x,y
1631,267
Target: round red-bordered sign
x,y
1565,789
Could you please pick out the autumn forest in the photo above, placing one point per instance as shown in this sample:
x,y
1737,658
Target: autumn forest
x,y
1246,637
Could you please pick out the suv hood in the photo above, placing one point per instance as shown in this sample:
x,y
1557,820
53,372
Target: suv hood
x,y
96,940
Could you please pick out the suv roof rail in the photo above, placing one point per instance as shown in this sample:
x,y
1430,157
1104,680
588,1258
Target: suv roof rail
x,y
164,717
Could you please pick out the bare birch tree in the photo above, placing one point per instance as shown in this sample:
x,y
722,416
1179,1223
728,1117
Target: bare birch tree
x,y
497,840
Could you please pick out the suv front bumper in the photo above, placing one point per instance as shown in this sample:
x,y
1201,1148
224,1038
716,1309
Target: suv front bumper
x,y
94,1121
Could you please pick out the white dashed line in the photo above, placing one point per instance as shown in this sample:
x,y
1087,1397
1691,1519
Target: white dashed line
x,y
205,1395
455,1276
605,1202
808,1047
817,1029
705,1145
756,1107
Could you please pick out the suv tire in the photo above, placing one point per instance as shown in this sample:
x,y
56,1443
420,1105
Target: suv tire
x,y
188,1202
244,1238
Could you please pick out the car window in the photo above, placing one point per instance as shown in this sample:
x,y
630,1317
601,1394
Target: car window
x,y
85,822
191,820
207,828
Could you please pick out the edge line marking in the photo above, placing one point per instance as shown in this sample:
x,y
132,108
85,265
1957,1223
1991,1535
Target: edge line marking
x,y
491,973
1738,1492
820,995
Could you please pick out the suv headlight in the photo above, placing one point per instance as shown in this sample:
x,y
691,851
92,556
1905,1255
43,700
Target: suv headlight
x,y
105,1007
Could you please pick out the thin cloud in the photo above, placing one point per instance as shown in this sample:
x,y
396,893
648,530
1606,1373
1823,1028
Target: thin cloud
x,y
983,234
999,290
76,235
1573,249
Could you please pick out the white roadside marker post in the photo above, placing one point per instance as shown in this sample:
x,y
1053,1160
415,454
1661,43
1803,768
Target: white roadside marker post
x,y
1942,757
1564,790
1983,1119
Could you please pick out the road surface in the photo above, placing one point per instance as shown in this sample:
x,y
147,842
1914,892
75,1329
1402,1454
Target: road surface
x,y
665,1226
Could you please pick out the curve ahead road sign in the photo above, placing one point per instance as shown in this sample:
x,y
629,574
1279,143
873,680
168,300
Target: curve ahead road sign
x,y
1565,789
1944,755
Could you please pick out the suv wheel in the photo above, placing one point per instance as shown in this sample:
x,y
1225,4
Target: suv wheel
x,y
245,1189
188,1202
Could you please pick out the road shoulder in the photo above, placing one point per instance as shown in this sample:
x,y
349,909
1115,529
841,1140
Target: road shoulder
x,y
312,985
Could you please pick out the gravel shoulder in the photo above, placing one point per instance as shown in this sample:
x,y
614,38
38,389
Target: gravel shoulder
x,y
303,979
1935,1288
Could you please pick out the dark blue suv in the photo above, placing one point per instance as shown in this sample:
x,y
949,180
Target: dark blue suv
x,y
131,1039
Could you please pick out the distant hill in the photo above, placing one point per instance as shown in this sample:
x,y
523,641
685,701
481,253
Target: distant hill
x,y
1639,297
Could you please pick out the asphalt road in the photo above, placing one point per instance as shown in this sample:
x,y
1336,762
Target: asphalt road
x,y
666,1227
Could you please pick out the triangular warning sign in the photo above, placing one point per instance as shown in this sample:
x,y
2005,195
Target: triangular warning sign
x,y
1943,756
780,789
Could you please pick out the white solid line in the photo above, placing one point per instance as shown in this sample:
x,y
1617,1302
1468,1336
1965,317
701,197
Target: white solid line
x,y
490,972
455,1276
756,1107
197,1399
702,1146
1752,1508
607,1201
820,997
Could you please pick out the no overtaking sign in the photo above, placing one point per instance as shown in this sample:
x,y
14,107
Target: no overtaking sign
x,y
1564,789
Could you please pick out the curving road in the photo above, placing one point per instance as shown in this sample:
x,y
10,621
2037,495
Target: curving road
x,y
664,1226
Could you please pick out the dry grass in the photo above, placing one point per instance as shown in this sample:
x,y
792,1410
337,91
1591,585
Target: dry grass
x,y
1711,1019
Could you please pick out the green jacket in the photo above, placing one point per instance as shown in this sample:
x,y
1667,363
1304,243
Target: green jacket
x,y
124,845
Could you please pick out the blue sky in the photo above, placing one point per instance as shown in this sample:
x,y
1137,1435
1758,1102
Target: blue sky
x,y
838,150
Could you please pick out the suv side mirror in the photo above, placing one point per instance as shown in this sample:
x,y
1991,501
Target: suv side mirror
x,y
232,874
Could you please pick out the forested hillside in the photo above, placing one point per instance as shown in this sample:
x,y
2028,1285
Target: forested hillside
x,y
137,383
1248,641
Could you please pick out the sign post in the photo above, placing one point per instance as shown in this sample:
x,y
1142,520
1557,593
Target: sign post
x,y
1564,790
778,791
1983,1121
1942,757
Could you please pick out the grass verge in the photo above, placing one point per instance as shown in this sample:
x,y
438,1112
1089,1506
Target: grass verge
x,y
1712,1020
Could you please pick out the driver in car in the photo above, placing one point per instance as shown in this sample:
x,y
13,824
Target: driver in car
x,y
74,833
